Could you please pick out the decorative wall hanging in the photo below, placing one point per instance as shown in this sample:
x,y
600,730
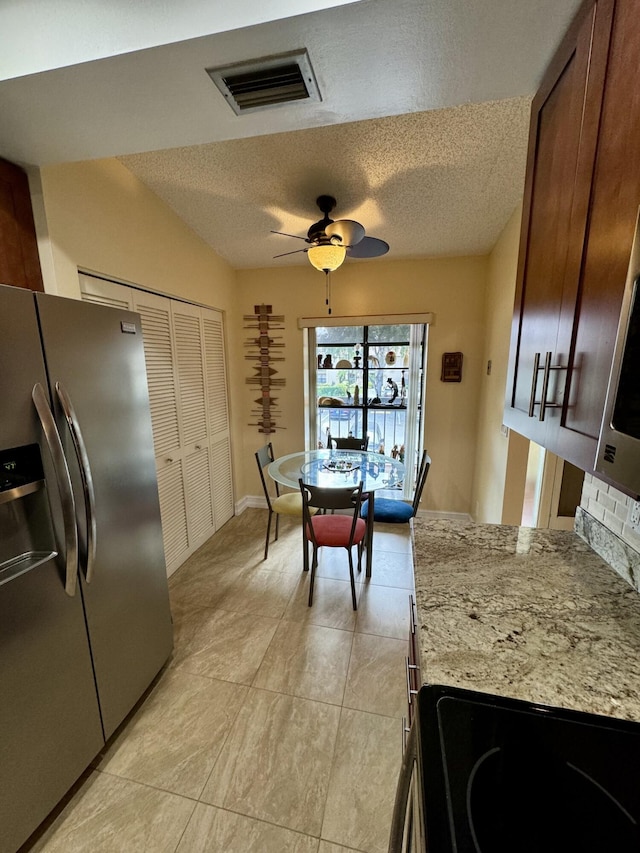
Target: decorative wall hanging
x,y
263,345
451,367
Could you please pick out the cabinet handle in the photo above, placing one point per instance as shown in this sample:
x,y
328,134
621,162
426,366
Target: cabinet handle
x,y
545,385
410,691
548,367
406,728
534,383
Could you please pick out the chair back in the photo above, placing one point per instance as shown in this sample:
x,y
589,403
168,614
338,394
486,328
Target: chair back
x,y
349,443
321,498
264,457
423,470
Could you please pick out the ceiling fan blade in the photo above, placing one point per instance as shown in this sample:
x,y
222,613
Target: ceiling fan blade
x,y
290,235
295,252
368,247
349,231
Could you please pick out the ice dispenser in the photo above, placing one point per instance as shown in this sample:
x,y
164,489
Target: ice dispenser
x,y
26,533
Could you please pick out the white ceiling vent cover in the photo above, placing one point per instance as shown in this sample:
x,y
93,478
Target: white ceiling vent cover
x,y
267,82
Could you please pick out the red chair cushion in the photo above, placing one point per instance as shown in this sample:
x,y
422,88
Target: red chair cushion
x,y
335,530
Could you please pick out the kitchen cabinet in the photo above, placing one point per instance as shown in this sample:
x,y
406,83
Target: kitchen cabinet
x,y
581,199
19,259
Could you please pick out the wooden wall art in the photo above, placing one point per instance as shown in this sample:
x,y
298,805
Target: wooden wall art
x,y
451,367
262,347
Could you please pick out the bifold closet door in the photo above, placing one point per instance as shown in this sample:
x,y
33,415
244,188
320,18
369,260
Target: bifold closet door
x,y
190,364
159,348
217,397
186,374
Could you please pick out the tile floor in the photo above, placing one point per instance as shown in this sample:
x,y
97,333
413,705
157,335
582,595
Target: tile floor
x,y
275,727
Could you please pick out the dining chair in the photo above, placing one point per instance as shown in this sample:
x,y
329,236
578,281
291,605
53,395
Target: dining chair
x,y
289,503
349,443
344,530
390,511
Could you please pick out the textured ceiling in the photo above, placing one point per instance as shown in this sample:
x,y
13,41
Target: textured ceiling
x,y
442,182
420,134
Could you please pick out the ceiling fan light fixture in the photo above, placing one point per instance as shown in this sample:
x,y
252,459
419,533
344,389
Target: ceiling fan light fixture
x,y
326,257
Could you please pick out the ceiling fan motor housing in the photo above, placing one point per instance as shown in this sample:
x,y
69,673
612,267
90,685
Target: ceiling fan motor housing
x,y
326,203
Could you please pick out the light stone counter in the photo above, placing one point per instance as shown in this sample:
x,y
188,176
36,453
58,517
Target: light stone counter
x,y
533,614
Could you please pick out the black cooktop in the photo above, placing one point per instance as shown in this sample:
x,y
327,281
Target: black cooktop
x,y
504,776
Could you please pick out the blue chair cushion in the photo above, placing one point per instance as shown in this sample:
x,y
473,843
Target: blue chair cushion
x,y
388,511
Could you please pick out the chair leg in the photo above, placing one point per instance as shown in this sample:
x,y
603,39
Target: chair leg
x,y
305,550
314,563
266,541
353,581
277,526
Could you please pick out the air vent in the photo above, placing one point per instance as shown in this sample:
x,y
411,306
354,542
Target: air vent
x,y
609,453
267,82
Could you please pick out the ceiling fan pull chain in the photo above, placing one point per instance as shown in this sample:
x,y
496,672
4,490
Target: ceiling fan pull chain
x,y
328,290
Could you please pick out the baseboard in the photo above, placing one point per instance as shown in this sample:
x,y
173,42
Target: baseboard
x,y
451,516
250,502
258,502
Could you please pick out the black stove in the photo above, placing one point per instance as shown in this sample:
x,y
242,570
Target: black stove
x,y
505,776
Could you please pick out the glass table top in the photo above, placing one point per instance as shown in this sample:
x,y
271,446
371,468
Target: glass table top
x,y
338,468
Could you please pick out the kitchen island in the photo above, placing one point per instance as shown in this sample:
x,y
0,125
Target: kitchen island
x,y
532,614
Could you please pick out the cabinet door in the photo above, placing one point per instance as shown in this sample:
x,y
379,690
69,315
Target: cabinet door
x,y
19,259
614,205
562,143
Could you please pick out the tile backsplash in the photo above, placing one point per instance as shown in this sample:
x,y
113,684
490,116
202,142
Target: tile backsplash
x,y
603,520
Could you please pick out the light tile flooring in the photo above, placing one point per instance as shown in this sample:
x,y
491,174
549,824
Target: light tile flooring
x,y
275,727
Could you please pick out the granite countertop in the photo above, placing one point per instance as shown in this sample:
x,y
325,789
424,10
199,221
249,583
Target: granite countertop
x,y
532,614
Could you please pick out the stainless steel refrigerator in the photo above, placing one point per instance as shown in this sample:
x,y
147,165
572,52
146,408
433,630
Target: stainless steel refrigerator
x,y
85,623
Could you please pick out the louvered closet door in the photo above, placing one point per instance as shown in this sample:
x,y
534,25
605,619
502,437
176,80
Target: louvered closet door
x,y
190,363
155,312
186,374
217,401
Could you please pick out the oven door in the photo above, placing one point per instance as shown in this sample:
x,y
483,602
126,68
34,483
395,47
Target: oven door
x,y
407,827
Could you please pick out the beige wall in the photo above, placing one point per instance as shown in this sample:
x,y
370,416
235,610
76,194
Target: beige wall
x,y
490,499
452,288
101,218
98,217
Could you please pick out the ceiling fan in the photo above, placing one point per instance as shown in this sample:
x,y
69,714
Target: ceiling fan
x,y
331,241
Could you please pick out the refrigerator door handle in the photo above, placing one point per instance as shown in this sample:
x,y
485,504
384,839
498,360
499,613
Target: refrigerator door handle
x,y
85,474
63,479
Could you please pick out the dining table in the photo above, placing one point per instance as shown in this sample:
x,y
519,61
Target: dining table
x,y
336,469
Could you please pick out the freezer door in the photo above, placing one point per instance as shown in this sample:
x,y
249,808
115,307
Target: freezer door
x,y
97,375
49,718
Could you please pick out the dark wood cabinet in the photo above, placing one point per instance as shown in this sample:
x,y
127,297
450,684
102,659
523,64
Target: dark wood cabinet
x,y
581,201
19,259
614,202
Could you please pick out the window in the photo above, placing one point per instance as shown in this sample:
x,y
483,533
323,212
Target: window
x,y
369,380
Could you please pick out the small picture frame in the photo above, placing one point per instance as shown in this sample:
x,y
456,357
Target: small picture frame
x,y
451,367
